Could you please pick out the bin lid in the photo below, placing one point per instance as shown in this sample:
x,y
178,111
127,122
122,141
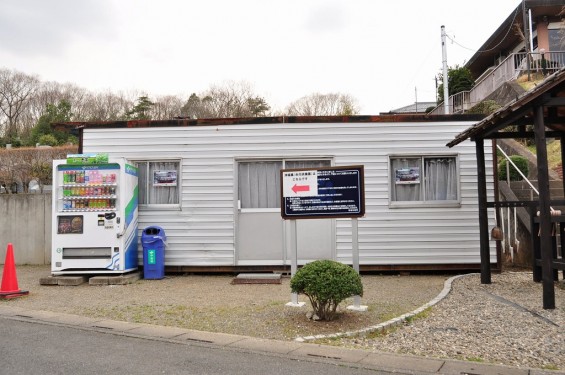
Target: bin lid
x,y
154,230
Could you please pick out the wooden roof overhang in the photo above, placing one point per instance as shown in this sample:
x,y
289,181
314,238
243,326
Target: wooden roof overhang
x,y
537,114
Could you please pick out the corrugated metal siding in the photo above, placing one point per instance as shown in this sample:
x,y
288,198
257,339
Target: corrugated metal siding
x,y
202,232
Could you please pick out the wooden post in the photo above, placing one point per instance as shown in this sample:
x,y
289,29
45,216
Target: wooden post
x,y
483,214
536,253
544,208
562,224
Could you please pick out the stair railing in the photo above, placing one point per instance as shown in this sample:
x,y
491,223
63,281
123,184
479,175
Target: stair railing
x,y
510,234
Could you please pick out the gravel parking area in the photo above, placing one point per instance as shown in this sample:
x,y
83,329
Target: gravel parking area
x,y
503,322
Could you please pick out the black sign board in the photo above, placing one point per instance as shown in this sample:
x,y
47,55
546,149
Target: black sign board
x,y
332,192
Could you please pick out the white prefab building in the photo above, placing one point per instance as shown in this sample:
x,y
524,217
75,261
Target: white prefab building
x,y
214,187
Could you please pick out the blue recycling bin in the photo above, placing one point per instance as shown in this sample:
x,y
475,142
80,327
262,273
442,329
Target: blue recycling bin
x,y
153,240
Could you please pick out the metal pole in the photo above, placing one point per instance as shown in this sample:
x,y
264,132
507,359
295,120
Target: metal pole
x,y
524,19
294,263
355,248
445,72
355,260
531,35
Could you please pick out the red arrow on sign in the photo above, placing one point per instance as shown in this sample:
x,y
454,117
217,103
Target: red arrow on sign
x,y
297,188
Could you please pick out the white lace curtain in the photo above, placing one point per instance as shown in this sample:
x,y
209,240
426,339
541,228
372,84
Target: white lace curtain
x,y
438,182
150,194
440,179
259,181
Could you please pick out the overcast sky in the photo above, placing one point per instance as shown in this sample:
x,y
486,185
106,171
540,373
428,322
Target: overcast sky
x,y
383,53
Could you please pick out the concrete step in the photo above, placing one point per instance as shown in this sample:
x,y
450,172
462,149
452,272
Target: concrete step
x,y
74,280
553,184
523,190
527,194
257,278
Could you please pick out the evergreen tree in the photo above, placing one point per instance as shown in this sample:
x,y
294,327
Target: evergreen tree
x,y
53,113
458,79
142,110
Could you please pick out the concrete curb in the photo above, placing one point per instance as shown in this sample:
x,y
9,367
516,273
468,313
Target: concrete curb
x,y
389,362
392,322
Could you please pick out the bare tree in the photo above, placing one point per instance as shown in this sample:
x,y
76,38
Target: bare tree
x,y
166,107
195,107
230,99
52,93
16,90
21,165
107,106
317,104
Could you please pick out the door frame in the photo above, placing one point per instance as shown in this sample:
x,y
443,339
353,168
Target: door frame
x,y
284,227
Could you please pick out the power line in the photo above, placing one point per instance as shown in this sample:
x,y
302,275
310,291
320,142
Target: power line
x,y
493,48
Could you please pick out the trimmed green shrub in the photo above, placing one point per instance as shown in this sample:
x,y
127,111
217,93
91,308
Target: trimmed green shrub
x,y
522,164
326,283
48,139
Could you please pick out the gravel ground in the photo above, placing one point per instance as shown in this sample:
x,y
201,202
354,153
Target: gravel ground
x,y
503,322
212,303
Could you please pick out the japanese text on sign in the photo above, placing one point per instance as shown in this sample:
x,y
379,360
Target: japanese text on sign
x,y
335,192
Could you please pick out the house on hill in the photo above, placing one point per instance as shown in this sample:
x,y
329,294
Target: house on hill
x,y
529,43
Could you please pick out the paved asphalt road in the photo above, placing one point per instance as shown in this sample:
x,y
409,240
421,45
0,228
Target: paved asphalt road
x,y
38,348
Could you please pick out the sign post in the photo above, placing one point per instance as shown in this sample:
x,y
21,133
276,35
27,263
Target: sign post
x,y
333,192
294,263
355,259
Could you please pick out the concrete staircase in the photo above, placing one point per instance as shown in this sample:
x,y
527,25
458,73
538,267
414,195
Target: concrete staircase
x,y
523,191
517,245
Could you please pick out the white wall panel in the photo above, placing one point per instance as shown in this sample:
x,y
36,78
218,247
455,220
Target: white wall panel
x,y
202,231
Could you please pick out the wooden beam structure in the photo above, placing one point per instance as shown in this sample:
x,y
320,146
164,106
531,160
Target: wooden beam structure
x,y
538,114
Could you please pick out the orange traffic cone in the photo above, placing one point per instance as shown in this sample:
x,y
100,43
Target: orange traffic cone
x,y
9,288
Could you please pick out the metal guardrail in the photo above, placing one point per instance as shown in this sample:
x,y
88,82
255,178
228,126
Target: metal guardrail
x,y
515,65
510,219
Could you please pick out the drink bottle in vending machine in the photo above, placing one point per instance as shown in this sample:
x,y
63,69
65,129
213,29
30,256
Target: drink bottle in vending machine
x,y
94,216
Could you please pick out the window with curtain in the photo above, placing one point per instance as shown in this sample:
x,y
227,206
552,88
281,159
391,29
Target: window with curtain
x,y
556,33
259,184
259,181
429,179
159,182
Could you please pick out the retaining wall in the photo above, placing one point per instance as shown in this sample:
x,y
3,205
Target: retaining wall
x,y
25,221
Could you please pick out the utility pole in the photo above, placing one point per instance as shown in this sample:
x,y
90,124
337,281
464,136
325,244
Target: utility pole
x,y
526,36
445,78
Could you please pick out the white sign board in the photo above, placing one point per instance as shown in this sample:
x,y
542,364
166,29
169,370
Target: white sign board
x,y
300,183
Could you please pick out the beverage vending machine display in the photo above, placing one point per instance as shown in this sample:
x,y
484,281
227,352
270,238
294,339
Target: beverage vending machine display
x,y
94,216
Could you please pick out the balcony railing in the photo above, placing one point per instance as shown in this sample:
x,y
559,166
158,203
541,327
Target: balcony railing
x,y
514,66
458,103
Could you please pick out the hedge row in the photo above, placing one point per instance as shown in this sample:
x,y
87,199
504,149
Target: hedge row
x,y
19,166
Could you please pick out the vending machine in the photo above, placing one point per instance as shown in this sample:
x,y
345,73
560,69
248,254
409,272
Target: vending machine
x,y
94,215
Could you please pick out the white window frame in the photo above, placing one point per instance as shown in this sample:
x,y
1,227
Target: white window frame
x,y
282,159
161,206
423,203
